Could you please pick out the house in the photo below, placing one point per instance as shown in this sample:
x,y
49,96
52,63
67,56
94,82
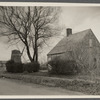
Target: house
x,y
83,47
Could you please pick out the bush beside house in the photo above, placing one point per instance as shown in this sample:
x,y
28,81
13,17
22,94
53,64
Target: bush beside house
x,y
59,66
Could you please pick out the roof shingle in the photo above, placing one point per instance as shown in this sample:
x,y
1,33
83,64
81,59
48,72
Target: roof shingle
x,y
69,42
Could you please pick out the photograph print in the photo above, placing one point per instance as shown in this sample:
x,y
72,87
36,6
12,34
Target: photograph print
x,y
49,50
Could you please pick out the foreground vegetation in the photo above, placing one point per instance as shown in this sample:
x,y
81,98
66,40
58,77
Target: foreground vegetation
x,y
62,74
74,83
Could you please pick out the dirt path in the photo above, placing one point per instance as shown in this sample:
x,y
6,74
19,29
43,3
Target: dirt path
x,y
17,87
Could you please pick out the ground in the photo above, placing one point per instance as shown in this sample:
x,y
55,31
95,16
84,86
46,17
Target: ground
x,y
18,87
42,83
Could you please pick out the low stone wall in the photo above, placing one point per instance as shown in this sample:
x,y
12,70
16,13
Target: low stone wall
x,y
71,84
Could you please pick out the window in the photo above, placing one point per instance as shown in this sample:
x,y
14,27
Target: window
x,y
90,42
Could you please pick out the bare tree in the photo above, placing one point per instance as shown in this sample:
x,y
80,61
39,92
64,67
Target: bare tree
x,y
33,26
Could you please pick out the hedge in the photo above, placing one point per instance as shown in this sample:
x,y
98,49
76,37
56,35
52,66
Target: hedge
x,y
59,66
31,67
13,67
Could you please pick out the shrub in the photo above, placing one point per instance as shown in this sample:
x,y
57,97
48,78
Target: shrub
x,y
36,67
59,66
28,67
13,67
10,65
18,68
32,67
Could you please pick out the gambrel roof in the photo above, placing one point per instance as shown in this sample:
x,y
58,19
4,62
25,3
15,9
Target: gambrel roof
x,y
68,42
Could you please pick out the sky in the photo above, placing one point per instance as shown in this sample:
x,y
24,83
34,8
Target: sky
x,y
77,18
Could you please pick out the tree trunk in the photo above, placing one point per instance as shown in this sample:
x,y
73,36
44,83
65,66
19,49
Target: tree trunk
x,y
36,54
36,47
28,53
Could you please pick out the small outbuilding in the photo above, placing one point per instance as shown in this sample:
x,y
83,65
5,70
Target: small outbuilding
x,y
16,56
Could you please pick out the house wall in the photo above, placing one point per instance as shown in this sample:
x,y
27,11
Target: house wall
x,y
94,53
87,54
64,56
51,57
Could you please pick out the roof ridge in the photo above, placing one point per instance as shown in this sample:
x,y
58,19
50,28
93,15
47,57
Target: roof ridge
x,y
82,31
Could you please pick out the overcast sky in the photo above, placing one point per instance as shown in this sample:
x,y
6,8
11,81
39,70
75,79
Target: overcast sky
x,y
77,18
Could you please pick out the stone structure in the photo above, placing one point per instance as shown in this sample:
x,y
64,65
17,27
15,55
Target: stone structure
x,y
16,56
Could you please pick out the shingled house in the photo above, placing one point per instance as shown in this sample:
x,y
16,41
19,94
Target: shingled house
x,y
83,47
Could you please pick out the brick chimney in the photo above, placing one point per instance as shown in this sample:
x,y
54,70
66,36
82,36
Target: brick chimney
x,y
68,32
